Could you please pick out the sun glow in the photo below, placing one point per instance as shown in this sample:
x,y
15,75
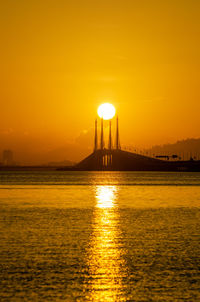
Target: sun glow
x,y
106,111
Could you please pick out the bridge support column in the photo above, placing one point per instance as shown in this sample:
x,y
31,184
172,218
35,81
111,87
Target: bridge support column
x,y
102,142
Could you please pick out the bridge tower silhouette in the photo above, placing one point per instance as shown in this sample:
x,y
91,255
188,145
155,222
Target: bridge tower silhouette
x,y
102,156
112,157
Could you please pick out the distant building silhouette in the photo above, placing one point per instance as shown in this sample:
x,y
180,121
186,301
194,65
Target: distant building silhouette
x,y
8,158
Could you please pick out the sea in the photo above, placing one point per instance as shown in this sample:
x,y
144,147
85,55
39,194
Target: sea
x,y
99,236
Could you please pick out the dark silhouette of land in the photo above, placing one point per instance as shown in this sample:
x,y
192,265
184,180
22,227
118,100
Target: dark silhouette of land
x,y
183,148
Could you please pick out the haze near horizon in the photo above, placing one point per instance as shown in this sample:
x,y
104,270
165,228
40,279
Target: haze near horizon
x,y
61,60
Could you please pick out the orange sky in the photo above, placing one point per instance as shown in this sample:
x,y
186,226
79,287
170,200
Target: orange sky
x,y
61,59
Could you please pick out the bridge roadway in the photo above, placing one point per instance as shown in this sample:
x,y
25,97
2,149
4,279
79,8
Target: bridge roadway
x,y
119,160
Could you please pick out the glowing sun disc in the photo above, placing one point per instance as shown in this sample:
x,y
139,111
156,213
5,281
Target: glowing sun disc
x,y
106,111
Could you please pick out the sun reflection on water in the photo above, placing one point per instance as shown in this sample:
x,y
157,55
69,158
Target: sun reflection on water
x,y
105,255
105,196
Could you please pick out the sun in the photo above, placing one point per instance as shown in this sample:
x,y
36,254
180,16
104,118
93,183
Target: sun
x,y
106,111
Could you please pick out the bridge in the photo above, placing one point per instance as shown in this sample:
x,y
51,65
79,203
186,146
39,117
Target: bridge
x,y
115,159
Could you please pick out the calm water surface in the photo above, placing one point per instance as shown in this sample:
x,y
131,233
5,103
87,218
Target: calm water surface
x,y
99,236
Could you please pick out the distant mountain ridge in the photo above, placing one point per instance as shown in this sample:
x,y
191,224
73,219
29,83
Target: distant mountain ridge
x,y
185,148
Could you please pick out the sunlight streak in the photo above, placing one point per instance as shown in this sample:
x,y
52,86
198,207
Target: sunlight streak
x,y
105,256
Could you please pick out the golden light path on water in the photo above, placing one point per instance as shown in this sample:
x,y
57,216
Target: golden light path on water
x,y
105,261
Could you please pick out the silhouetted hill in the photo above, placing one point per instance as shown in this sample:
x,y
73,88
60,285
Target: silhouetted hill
x,y
184,148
